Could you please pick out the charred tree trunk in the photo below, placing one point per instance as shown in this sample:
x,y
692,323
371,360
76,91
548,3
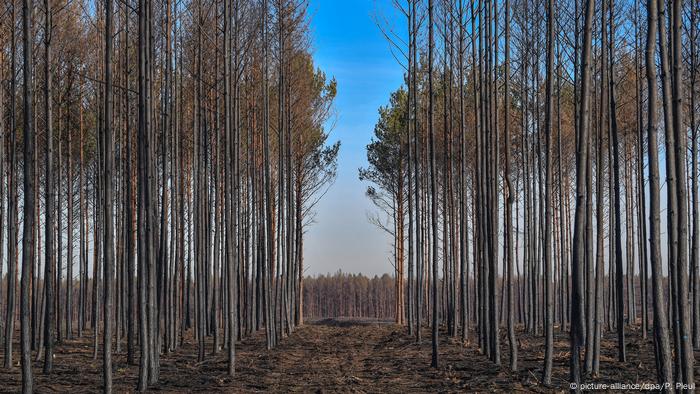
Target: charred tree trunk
x,y
577,306
661,339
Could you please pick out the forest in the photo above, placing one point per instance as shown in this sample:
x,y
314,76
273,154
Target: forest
x,y
518,172
162,160
537,173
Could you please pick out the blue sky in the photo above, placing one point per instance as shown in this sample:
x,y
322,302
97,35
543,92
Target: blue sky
x,y
348,45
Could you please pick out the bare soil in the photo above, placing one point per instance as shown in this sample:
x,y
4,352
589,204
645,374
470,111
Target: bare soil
x,y
340,355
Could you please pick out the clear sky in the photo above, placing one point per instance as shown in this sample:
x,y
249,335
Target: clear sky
x,y
349,46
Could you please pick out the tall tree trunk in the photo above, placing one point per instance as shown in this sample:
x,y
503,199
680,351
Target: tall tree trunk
x,y
29,206
409,192
12,228
681,140
129,213
230,228
577,307
3,156
267,214
661,341
49,201
695,238
144,245
621,354
549,112
107,223
671,181
69,196
82,299
433,189
600,217
512,341
417,154
641,210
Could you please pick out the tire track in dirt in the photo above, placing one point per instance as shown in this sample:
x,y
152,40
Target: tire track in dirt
x,y
322,359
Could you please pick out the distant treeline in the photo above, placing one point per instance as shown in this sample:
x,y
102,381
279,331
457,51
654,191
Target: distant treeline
x,y
349,295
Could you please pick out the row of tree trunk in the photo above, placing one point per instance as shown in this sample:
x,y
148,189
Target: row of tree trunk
x,y
193,194
529,205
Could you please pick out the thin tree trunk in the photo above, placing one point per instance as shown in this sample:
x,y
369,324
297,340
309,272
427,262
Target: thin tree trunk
x,y
577,307
49,201
512,341
622,356
549,112
681,139
143,184
11,208
433,189
661,340
29,206
417,154
107,223
695,239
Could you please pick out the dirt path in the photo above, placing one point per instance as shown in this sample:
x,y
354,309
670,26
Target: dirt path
x,y
339,356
